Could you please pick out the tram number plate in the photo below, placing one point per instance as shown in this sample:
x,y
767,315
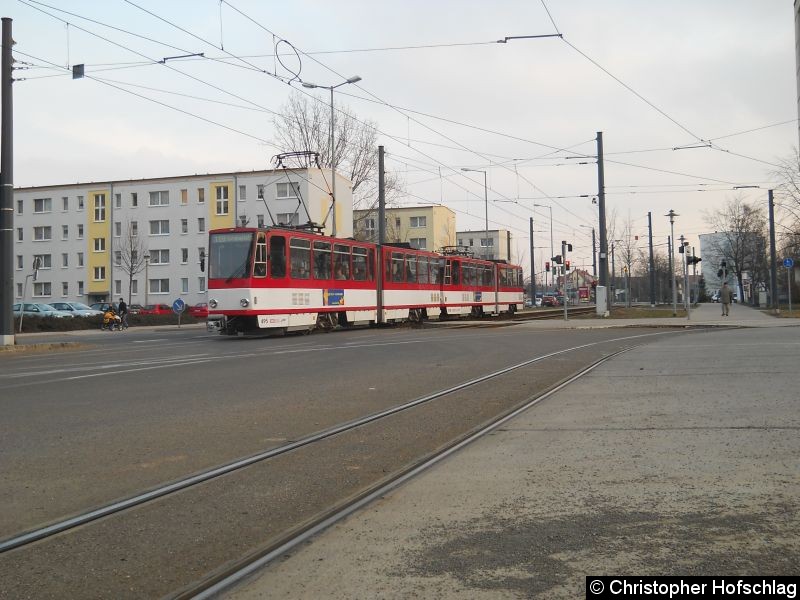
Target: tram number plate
x,y
273,321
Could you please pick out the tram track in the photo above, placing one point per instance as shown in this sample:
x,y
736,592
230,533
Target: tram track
x,y
196,481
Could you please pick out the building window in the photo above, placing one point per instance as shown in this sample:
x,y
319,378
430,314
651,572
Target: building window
x,y
260,220
42,205
184,285
159,257
201,284
99,208
19,234
80,202
19,262
118,287
419,222
80,288
460,242
99,244
487,243
19,290
42,289
134,228
99,273
184,225
43,233
65,203
117,229
65,232
242,192
134,199
288,218
222,200
65,260
160,198
419,243
80,231
19,207
201,252
159,227
369,226
45,260
64,289
260,190
184,197
287,190
184,256
159,286
117,200
397,223
80,259
201,195
201,224
118,258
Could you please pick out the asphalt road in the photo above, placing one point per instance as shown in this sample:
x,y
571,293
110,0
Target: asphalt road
x,y
129,411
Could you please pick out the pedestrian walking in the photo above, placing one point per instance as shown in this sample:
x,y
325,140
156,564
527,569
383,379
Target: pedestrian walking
x,y
725,295
122,310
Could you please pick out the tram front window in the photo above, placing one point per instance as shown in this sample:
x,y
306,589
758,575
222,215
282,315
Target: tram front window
x,y
230,255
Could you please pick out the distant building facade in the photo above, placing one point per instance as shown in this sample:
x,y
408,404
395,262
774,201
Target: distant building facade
x,y
495,247
423,227
80,232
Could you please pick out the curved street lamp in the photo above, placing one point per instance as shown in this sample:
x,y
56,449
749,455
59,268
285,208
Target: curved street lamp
x,y
308,84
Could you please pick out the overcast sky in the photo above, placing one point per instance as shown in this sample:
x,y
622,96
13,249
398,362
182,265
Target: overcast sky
x,y
652,76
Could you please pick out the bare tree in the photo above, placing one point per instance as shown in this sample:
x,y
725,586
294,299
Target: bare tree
x,y
304,124
741,241
132,250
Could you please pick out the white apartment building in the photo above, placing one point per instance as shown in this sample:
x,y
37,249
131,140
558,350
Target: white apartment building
x,y
496,247
86,234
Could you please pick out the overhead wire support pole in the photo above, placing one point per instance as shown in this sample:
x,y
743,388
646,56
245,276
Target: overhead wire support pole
x,y
652,263
7,190
773,256
533,267
601,204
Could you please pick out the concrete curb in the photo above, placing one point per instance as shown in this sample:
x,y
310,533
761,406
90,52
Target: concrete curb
x,y
20,348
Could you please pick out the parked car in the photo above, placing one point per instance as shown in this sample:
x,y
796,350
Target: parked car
x,y
538,300
102,306
135,309
549,301
35,309
715,296
77,309
199,311
156,309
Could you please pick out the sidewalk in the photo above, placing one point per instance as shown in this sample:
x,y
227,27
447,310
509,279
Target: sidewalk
x,y
678,458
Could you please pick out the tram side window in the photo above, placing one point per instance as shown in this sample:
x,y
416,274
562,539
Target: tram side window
x,y
300,257
277,256
503,276
371,265
423,276
341,261
360,267
322,260
436,271
469,274
455,273
260,264
488,276
411,268
520,279
397,266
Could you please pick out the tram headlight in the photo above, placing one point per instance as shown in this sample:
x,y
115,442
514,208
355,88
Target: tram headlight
x,y
244,302
212,303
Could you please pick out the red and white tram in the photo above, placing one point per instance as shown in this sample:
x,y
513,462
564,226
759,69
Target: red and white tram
x,y
262,280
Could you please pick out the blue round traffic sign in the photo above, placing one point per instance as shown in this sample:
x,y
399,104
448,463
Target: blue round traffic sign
x,y
178,306
788,263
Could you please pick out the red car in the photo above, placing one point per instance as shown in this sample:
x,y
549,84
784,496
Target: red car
x,y
156,309
199,311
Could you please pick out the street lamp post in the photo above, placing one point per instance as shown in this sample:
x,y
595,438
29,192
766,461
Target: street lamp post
x,y
307,84
146,279
594,252
486,205
672,214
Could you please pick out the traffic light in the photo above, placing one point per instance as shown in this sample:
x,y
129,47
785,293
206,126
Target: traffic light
x,y
566,265
557,259
547,266
693,260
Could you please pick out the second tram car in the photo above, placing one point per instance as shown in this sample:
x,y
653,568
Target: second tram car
x,y
273,280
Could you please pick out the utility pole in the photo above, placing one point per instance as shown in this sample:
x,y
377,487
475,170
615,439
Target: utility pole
x,y
685,269
773,260
652,265
565,262
601,204
533,267
7,190
672,214
381,231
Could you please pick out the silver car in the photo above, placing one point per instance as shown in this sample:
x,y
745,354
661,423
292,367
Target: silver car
x,y
36,309
77,309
